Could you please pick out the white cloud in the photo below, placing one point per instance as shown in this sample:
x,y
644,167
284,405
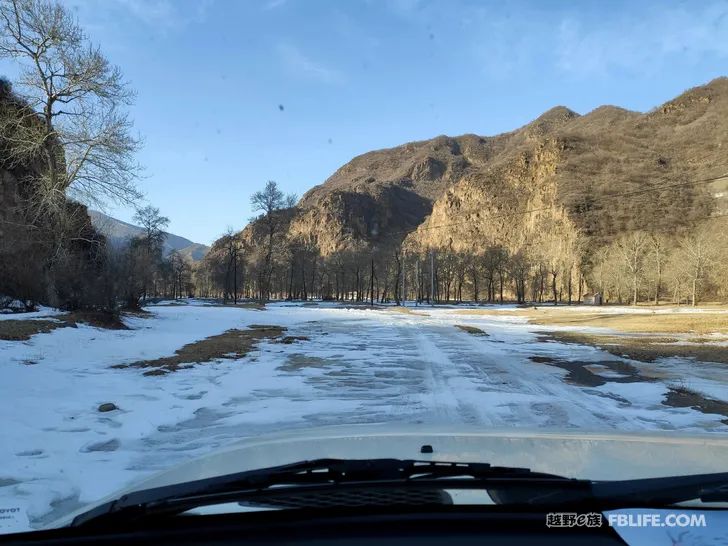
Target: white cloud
x,y
643,42
299,63
160,14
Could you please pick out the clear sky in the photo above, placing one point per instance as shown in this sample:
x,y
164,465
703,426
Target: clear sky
x,y
212,75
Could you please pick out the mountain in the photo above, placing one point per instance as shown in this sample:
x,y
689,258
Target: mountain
x,y
117,232
564,175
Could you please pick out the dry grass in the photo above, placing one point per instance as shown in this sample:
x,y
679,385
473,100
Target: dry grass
x,y
232,344
22,330
699,323
644,348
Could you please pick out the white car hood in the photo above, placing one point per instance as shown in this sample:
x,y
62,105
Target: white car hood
x,y
596,456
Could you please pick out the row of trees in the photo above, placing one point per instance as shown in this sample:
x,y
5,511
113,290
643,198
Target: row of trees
x,y
650,267
139,268
269,264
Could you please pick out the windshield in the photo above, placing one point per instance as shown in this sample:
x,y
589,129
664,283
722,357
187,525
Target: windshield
x,y
289,221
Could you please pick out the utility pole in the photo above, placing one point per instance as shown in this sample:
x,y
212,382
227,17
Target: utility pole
x,y
432,276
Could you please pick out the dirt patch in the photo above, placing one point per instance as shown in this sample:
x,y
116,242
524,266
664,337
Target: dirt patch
x,y
471,330
288,340
643,348
232,344
98,319
586,374
682,397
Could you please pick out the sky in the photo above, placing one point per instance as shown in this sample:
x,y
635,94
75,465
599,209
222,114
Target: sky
x,y
230,94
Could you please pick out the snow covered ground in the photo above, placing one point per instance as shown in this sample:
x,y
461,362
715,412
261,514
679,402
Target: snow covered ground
x,y
358,365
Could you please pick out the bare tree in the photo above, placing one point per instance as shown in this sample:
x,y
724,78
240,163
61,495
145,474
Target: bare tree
x,y
269,203
152,241
698,253
632,250
75,121
153,223
231,245
658,255
181,268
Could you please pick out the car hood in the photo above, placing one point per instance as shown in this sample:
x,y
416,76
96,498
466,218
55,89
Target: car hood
x,y
594,456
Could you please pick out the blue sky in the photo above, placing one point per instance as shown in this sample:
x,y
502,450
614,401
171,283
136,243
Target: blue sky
x,y
353,76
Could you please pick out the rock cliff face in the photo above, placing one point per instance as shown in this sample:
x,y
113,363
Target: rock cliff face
x,y
37,261
603,173
598,175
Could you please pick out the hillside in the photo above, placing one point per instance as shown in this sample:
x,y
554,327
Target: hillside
x,y
602,173
117,232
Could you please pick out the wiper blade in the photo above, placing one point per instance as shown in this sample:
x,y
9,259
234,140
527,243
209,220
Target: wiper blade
x,y
505,485
316,475
663,491
647,492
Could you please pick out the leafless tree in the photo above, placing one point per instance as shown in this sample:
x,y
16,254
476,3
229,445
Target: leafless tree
x,y
632,249
152,242
269,202
75,120
698,253
658,256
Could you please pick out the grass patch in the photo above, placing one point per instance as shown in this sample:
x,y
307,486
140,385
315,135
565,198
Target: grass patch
x,y
645,321
232,344
22,330
471,330
642,348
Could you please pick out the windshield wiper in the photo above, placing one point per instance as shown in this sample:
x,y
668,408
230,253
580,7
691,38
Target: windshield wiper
x,y
645,492
316,476
505,485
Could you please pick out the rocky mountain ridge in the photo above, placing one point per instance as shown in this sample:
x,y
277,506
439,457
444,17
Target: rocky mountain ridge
x,y
564,174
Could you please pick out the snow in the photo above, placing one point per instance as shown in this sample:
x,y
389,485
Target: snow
x,y
358,365
42,312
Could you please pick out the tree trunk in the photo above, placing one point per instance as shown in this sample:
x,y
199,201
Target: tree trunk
x,y
371,285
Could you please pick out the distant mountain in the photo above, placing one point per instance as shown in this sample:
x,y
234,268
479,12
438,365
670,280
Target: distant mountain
x,y
569,169
117,232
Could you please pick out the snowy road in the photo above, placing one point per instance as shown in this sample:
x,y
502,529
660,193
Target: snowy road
x,y
356,366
